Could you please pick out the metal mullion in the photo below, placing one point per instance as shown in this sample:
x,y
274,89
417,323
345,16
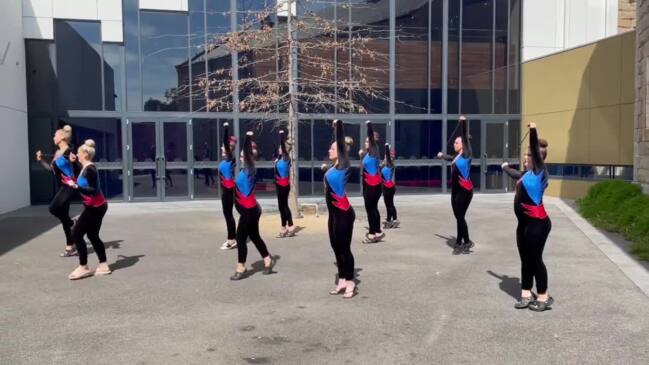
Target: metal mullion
x,y
335,60
445,12
139,49
126,160
190,159
493,56
507,62
189,61
459,59
392,51
101,66
235,77
311,122
430,39
207,79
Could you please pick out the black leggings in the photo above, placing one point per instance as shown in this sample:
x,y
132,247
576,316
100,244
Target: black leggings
x,y
388,199
531,235
460,201
249,227
89,223
371,196
227,202
282,202
341,228
60,208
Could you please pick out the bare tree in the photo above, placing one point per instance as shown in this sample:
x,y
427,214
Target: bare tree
x,y
300,56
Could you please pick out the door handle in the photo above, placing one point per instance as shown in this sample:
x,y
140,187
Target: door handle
x,y
163,168
157,168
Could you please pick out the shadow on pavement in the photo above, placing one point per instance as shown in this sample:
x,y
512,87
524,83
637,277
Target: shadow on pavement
x,y
258,266
17,231
450,241
125,261
510,285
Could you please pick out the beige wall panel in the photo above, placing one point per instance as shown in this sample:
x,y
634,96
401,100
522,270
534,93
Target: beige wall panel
x,y
568,189
567,133
627,120
627,89
557,83
604,135
604,71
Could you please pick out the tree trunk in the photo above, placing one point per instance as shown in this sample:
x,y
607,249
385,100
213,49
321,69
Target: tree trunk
x,y
292,114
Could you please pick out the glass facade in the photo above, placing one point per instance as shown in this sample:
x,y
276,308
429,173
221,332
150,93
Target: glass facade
x,y
156,102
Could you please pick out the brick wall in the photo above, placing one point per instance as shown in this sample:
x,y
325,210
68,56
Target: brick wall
x,y
626,15
641,148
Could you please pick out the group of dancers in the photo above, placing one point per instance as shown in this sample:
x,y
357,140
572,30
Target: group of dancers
x,y
76,173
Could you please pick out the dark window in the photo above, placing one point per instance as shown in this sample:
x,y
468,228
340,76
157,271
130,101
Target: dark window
x,y
514,134
113,76
111,184
130,11
164,51
304,140
207,143
78,64
477,33
41,76
41,182
418,139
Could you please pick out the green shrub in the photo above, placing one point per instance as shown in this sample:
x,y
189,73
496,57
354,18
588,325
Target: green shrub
x,y
620,207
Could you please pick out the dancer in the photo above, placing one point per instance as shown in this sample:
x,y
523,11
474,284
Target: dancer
x,y
389,189
371,161
94,210
249,211
534,224
63,167
283,187
226,174
341,213
461,188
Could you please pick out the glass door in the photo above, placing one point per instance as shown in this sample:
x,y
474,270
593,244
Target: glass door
x,y
158,160
494,153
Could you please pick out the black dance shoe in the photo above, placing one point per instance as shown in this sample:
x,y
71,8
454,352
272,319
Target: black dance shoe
x,y
539,306
525,302
238,275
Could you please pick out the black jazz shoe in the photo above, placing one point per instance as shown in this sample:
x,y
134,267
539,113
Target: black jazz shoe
x,y
238,275
269,269
525,302
539,306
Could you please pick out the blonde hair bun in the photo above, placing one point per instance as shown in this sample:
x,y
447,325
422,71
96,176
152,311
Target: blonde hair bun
x,y
90,143
67,128
349,141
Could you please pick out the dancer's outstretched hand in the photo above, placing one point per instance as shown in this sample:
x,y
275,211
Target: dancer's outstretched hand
x,y
440,155
39,155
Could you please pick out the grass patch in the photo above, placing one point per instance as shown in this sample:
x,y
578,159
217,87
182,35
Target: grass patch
x,y
620,207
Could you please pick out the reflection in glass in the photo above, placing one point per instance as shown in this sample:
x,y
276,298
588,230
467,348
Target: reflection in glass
x,y
495,140
219,59
411,62
197,54
514,138
106,132
176,182
41,77
418,179
130,11
304,140
323,138
164,49
418,139
78,64
113,76
266,134
206,182
370,20
500,52
477,32
111,184
454,23
514,56
494,178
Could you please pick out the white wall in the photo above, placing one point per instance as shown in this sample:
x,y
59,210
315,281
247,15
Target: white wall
x,y
39,15
14,159
551,26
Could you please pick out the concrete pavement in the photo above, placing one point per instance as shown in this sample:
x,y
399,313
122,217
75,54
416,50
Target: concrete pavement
x,y
169,300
